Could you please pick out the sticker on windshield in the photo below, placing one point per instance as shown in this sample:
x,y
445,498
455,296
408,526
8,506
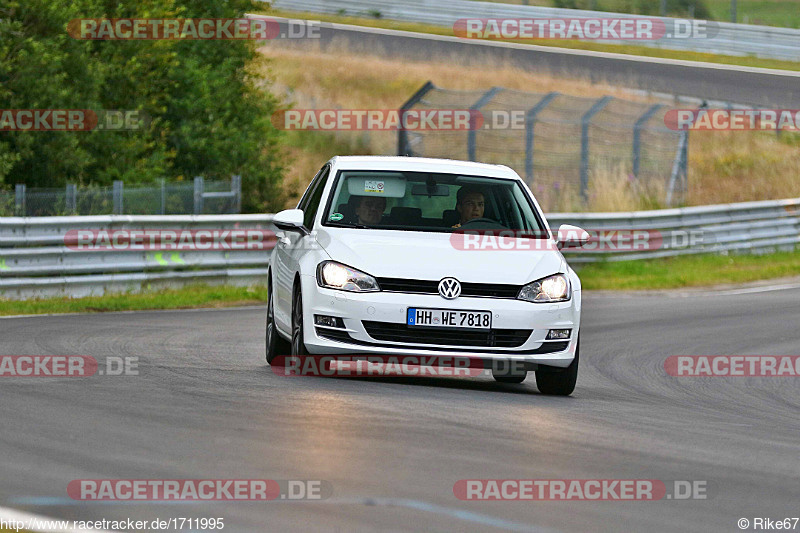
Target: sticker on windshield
x,y
373,186
336,217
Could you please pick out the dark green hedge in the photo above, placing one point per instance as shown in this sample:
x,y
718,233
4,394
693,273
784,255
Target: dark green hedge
x,y
210,116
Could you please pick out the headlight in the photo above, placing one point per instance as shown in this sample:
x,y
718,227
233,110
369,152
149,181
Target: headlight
x,y
338,276
553,289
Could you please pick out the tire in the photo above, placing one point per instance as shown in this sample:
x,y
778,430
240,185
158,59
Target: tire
x,y
298,346
275,344
559,383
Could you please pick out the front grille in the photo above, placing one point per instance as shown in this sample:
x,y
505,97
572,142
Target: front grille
x,y
333,334
493,291
493,338
424,286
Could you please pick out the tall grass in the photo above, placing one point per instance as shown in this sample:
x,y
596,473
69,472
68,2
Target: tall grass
x,y
743,166
723,166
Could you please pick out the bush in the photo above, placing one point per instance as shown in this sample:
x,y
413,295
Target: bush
x,y
209,116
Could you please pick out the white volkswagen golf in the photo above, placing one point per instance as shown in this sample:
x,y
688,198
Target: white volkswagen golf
x,y
412,256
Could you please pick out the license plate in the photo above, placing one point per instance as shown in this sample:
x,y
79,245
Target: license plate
x,y
449,318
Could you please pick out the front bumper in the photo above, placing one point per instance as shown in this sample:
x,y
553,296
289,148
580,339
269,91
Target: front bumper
x,y
390,307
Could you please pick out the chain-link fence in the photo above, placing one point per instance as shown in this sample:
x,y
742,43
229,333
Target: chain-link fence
x,y
213,197
570,150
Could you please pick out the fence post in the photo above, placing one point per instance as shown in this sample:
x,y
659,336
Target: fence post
x,y
637,137
685,166
402,134
236,189
472,134
71,199
585,121
118,193
163,183
679,166
681,163
198,195
530,121
19,200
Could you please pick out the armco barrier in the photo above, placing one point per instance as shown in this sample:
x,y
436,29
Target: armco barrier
x,y
729,39
35,260
750,227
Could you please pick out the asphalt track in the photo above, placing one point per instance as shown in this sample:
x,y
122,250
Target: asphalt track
x,y
714,82
205,405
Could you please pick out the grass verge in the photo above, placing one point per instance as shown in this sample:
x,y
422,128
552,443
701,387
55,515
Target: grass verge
x,y
190,297
688,271
724,166
645,51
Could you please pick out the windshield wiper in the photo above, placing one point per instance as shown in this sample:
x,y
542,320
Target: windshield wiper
x,y
349,225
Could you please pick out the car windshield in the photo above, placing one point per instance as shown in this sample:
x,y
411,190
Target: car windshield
x,y
430,202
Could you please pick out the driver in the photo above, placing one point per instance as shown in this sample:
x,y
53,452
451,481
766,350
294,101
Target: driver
x,y
469,204
369,209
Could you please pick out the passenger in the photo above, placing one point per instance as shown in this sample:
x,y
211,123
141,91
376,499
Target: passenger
x,y
369,210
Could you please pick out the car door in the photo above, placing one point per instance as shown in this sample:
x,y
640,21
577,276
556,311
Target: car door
x,y
291,246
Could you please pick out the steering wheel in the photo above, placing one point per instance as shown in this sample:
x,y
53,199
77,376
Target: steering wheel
x,y
483,223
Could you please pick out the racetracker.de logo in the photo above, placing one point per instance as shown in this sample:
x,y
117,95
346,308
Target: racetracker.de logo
x,y
378,119
48,366
66,366
642,29
377,365
197,489
733,365
604,240
169,239
72,120
174,29
733,119
578,489
593,29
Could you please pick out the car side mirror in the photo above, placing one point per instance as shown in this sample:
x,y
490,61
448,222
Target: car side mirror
x,y
290,220
570,236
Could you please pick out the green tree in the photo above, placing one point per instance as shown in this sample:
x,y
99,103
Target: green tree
x,y
209,116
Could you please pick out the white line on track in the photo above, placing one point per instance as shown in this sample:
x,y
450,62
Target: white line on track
x,y
38,523
418,505
753,290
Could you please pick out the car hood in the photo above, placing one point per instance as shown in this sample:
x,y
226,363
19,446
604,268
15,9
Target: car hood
x,y
433,256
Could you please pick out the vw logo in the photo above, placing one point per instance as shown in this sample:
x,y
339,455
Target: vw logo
x,y
449,288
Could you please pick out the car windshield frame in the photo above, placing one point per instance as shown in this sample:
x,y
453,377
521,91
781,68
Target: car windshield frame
x,y
542,233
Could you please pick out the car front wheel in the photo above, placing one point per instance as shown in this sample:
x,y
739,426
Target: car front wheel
x,y
559,383
275,344
298,346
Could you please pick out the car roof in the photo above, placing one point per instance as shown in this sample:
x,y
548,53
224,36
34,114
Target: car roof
x,y
422,164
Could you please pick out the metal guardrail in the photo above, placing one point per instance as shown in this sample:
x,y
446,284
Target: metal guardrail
x,y
750,227
35,260
728,38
